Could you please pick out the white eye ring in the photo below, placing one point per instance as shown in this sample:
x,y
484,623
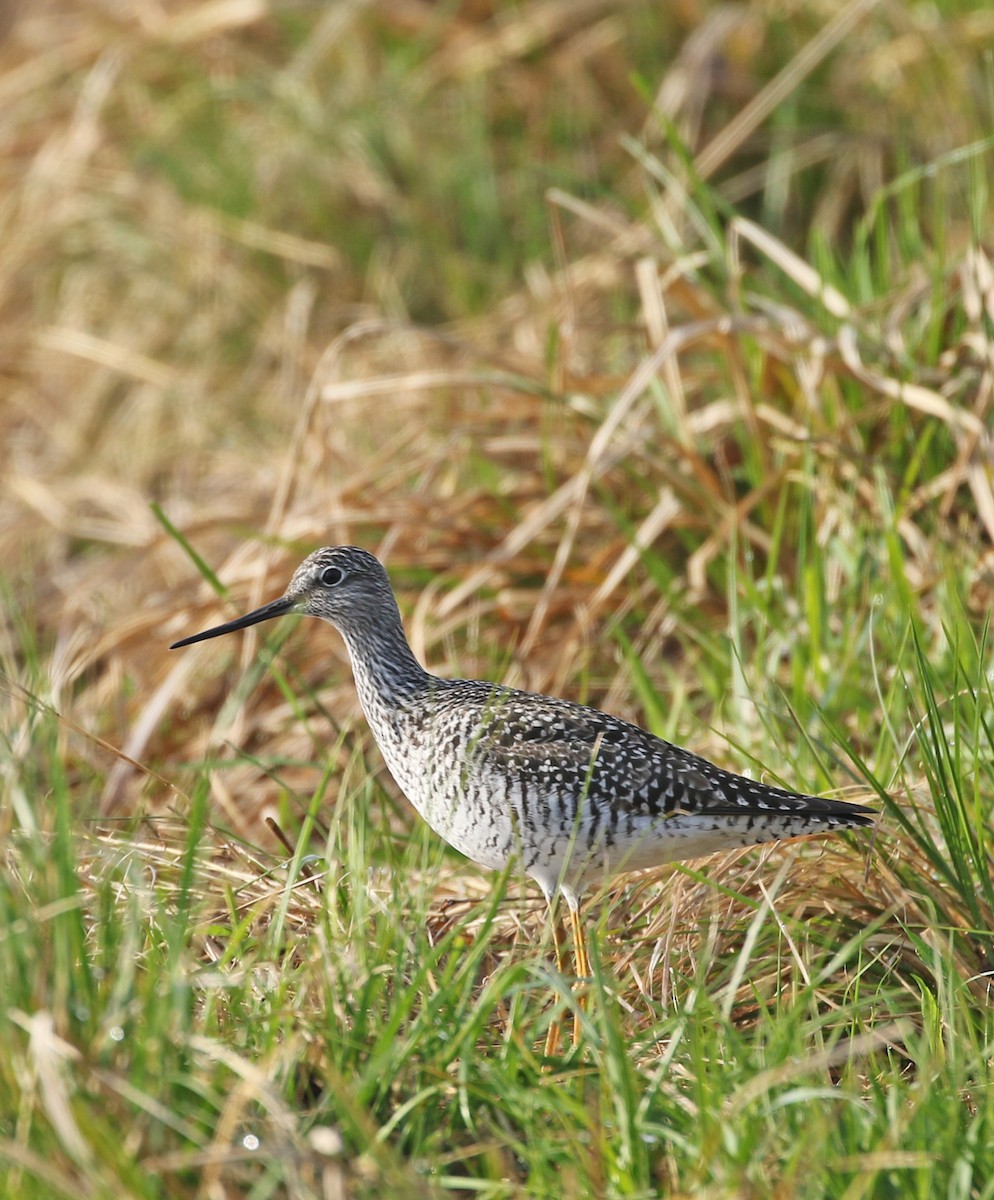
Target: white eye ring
x,y
331,576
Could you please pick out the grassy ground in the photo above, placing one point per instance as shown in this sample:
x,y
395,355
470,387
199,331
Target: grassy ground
x,y
653,349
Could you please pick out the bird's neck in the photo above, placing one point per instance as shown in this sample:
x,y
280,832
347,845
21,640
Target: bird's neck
x,y
387,675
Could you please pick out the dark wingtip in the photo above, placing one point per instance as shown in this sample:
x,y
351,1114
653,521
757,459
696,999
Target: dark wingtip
x,y
866,816
845,814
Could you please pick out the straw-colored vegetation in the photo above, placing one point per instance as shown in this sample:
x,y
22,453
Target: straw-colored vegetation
x,y
652,347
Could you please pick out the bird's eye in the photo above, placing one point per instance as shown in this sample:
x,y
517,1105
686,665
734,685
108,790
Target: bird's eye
x,y
331,576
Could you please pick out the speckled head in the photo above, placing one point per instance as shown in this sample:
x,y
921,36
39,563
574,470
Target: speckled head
x,y
341,584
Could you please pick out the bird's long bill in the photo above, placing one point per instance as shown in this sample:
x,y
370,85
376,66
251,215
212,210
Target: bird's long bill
x,y
275,608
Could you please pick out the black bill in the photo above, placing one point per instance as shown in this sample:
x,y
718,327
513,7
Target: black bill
x,y
275,608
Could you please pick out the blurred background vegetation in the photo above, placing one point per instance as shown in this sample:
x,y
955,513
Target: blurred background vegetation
x,y
650,345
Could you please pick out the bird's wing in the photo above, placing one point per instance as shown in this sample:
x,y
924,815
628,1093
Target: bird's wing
x,y
584,751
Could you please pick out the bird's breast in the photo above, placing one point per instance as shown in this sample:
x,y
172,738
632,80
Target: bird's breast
x,y
433,763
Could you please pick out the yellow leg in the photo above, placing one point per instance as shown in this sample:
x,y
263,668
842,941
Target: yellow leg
x,y
579,944
552,1037
582,966
557,938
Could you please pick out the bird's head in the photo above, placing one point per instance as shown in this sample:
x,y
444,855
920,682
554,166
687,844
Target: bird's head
x,y
341,584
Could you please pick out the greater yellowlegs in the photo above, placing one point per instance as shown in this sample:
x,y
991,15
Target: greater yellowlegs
x,y
573,793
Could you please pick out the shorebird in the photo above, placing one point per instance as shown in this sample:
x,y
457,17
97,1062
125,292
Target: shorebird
x,y
574,794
